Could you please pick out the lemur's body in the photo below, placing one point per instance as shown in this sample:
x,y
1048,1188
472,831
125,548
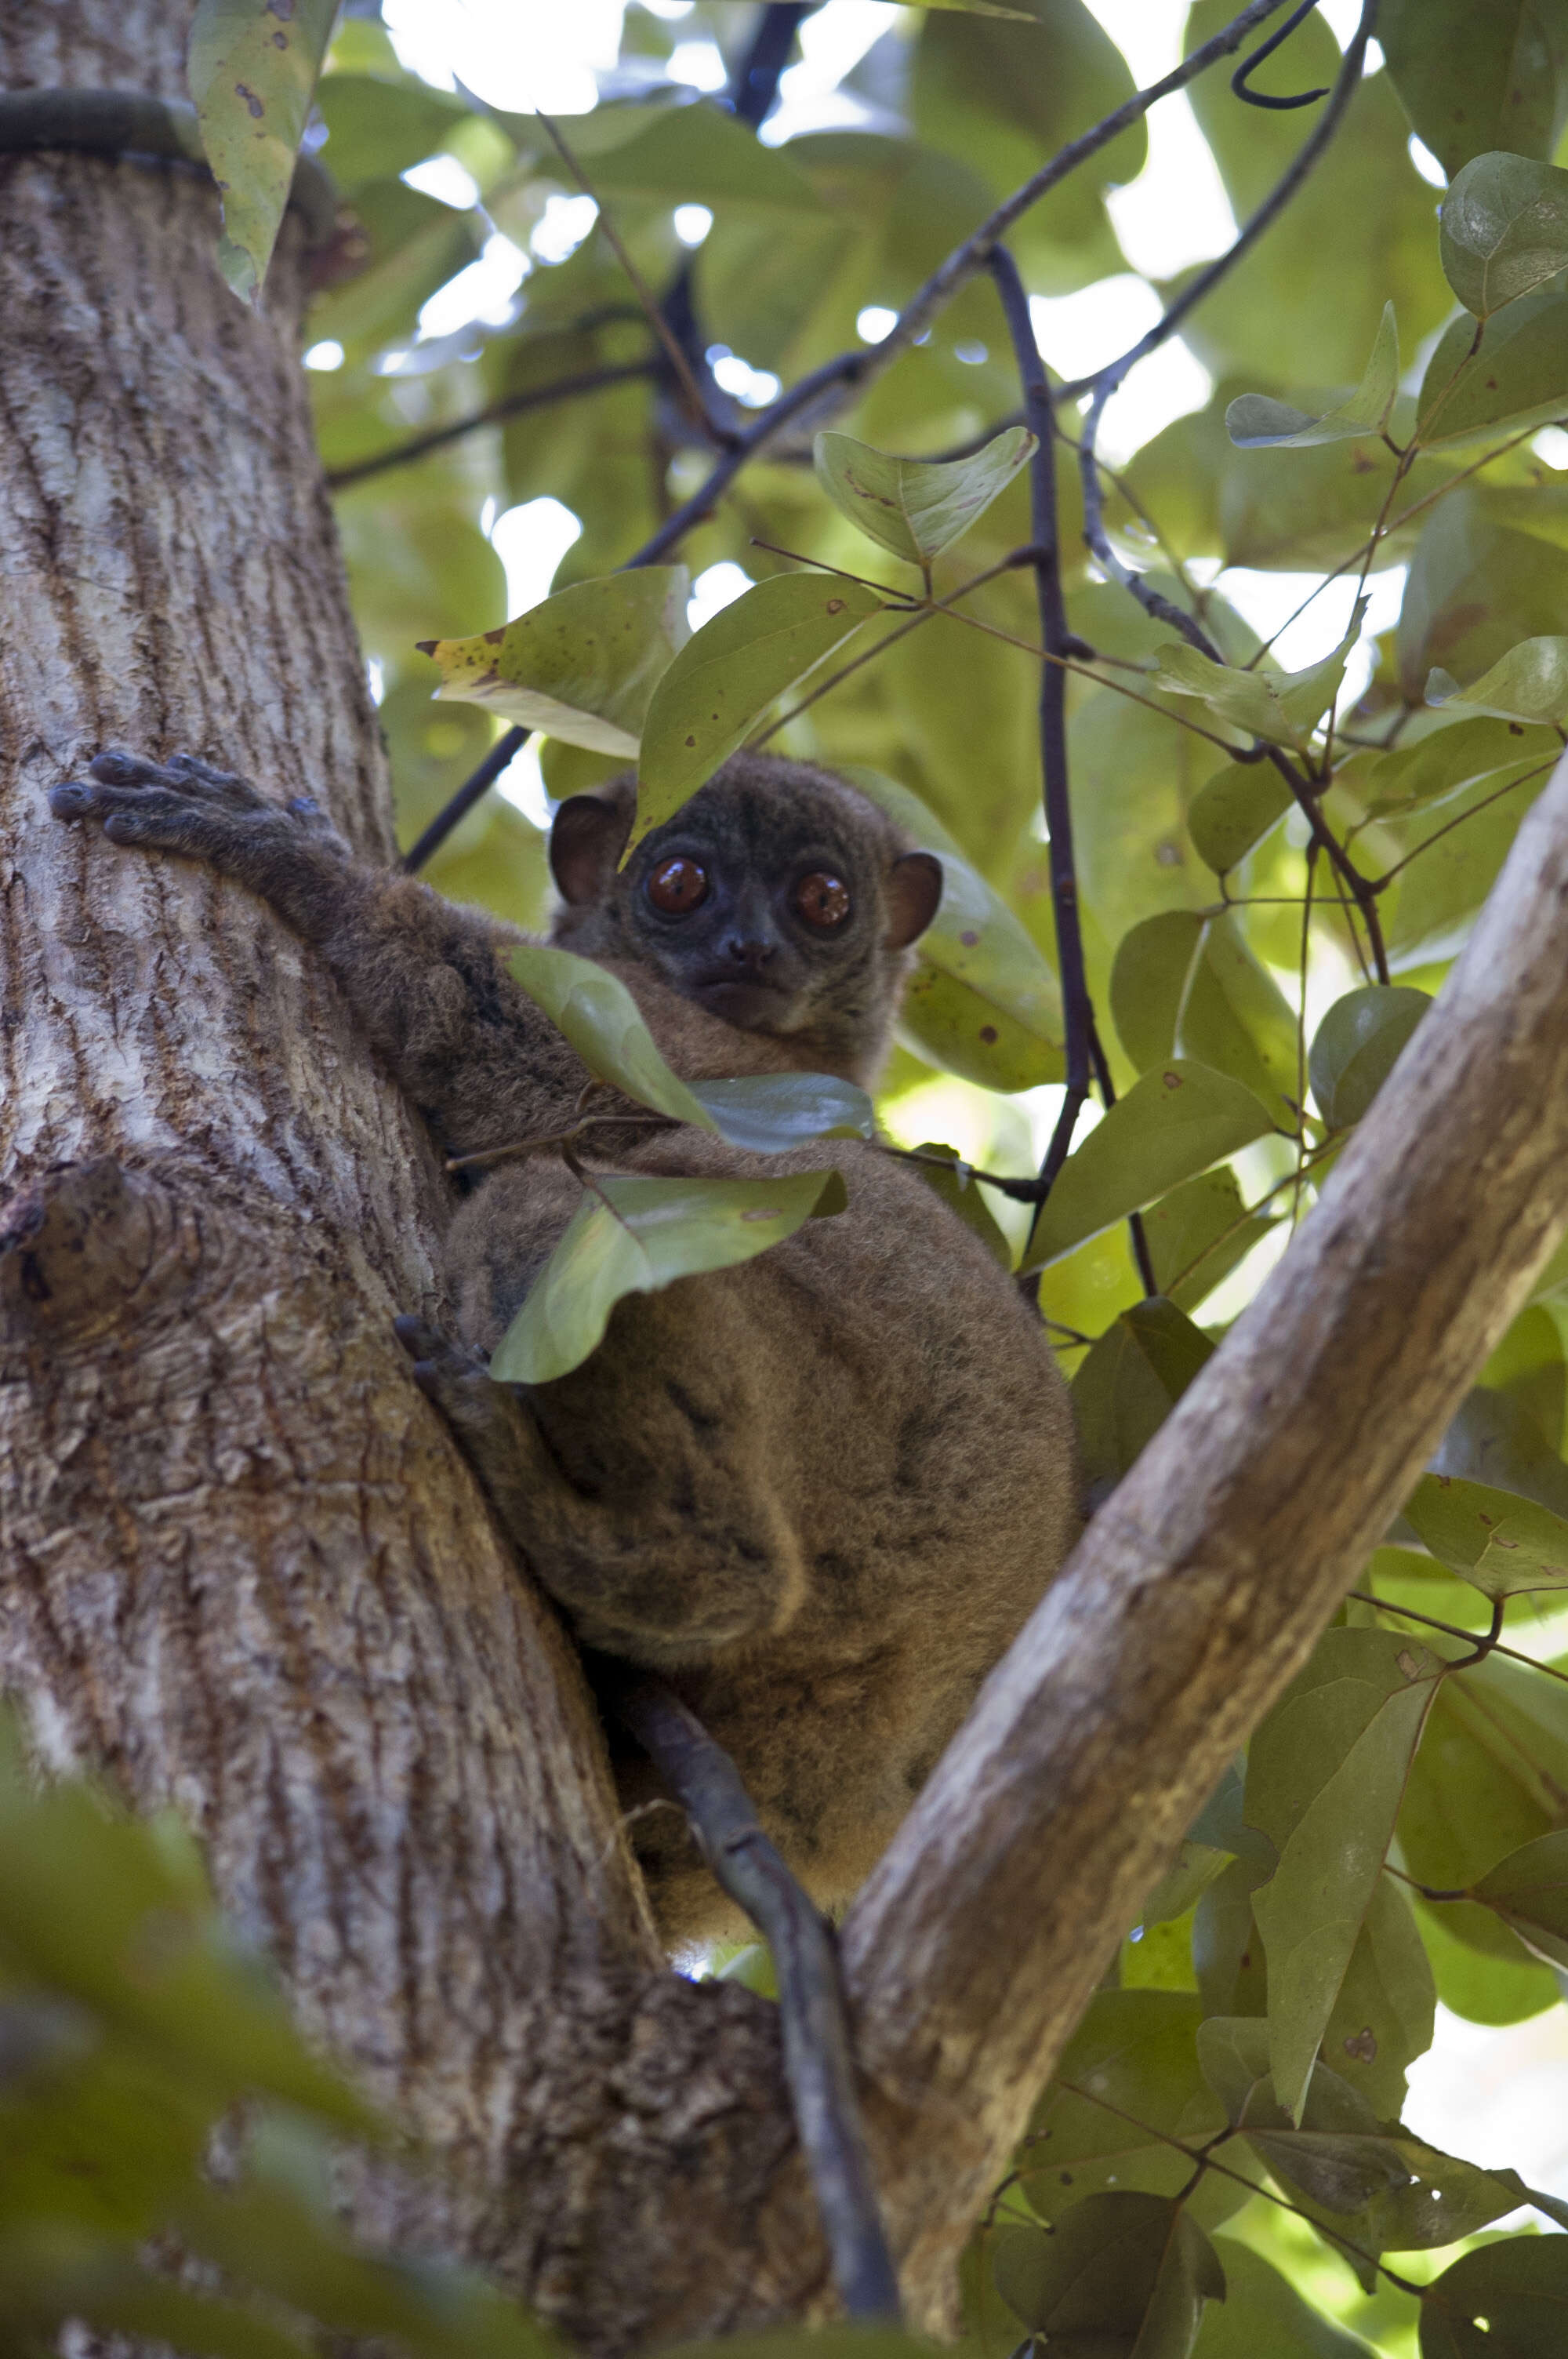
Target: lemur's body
x,y
818,1491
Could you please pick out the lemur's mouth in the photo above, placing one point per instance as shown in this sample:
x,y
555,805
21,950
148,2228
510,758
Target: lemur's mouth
x,y
747,1000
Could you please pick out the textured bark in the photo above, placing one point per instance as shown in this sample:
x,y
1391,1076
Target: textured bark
x,y
1198,1591
240,1565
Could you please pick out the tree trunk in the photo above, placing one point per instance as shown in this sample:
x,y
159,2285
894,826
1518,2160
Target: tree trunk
x,y
240,1565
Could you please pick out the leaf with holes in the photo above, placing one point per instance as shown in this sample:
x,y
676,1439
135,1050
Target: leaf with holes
x,y
583,666
252,67
1503,230
727,676
1509,2300
1177,1121
1254,421
917,508
634,1236
1506,1545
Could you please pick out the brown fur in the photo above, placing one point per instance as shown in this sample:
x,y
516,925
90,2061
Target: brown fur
x,y
819,1492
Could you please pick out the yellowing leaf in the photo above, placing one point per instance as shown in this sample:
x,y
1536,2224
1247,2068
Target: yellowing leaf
x,y
252,67
917,508
1279,707
1529,683
583,666
636,1235
725,678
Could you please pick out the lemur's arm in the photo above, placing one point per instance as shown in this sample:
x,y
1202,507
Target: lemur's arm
x,y
426,980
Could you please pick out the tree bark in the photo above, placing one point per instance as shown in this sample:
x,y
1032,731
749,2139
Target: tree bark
x,y
242,1567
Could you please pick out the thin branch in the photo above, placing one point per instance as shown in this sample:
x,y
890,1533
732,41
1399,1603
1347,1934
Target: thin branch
x,y
1241,80
1108,379
1077,1010
511,404
504,751
651,312
819,2056
1434,1621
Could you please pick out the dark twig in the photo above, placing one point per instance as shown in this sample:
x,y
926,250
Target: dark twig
x,y
1241,80
820,395
505,750
818,2057
511,404
754,83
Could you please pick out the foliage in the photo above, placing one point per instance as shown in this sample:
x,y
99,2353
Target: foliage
x,y
1275,861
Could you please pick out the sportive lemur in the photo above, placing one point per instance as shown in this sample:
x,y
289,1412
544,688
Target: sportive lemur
x,y
819,1492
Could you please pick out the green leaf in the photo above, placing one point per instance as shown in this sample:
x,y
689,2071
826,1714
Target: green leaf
x,y
1355,1046
376,129
1262,2314
769,1112
1475,1984
633,1236
983,1001
1529,683
1129,1382
1338,2155
1129,2072
1234,810
917,508
1253,419
1474,77
1198,1235
582,667
1324,1775
1529,1890
1281,707
1503,228
1189,985
1172,1124
1382,2019
598,1015
693,153
1451,757
252,68
1509,2301
725,678
1119,2274
1504,1544
1517,374
1475,590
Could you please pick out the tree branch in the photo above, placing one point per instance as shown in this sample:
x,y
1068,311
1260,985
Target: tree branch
x,y
1200,1588
818,2060
511,404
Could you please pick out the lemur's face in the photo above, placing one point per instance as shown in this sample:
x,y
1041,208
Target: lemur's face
x,y
765,900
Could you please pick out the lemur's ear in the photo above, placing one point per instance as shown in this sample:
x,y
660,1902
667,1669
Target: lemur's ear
x,y
585,841
912,888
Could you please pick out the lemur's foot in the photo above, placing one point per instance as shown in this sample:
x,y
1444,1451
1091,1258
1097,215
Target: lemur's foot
x,y
181,805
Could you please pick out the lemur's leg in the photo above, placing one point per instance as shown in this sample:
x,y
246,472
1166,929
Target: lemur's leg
x,y
663,1590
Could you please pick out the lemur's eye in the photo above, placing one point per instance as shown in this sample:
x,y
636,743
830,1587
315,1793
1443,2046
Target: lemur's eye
x,y
677,887
823,900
